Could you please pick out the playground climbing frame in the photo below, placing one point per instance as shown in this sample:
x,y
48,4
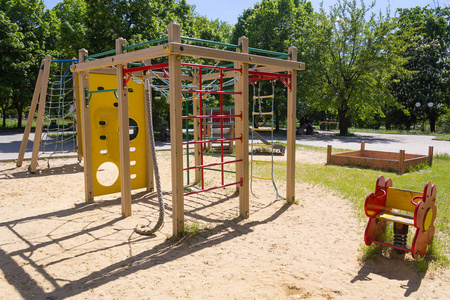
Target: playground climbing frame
x,y
120,60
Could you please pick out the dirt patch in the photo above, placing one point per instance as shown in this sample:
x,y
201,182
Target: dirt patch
x,y
53,248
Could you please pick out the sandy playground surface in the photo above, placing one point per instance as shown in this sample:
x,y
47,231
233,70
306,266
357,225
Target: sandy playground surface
x,y
51,248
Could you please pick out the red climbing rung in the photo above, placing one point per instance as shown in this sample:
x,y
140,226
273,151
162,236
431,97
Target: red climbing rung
x,y
214,188
212,92
212,165
212,141
143,68
210,67
213,116
269,74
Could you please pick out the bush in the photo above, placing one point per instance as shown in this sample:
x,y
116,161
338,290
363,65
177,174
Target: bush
x,y
324,125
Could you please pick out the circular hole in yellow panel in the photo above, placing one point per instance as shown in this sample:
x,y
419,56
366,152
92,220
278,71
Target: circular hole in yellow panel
x,y
133,129
132,163
133,176
107,173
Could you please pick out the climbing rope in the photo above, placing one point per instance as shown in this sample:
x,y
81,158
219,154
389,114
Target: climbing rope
x,y
145,229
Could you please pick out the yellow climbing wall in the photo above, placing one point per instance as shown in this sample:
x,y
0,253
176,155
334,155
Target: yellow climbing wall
x,y
105,134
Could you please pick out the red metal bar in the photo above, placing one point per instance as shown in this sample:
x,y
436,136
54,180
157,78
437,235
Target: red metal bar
x,y
213,188
285,82
211,92
392,246
213,164
212,141
269,74
200,87
165,73
143,68
210,67
221,126
212,116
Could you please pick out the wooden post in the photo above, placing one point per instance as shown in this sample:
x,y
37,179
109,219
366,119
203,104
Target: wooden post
x,y
291,137
363,148
241,107
150,184
176,133
401,162
196,112
41,111
86,132
124,136
34,102
329,150
78,113
430,155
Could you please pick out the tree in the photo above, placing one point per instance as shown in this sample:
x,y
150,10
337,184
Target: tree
x,y
72,31
428,59
133,20
273,25
350,58
33,34
10,45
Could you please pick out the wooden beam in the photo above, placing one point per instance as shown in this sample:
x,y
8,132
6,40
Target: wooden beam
x,y
33,106
124,136
140,74
78,119
241,107
41,111
176,133
122,59
430,155
291,129
329,151
86,133
203,52
401,161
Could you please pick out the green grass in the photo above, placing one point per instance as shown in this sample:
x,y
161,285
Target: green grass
x,y
443,137
12,124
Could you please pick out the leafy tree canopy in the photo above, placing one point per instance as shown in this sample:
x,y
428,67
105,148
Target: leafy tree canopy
x,y
350,56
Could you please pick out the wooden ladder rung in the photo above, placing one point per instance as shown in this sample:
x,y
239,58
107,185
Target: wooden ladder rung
x,y
262,97
262,129
262,145
262,178
263,113
261,161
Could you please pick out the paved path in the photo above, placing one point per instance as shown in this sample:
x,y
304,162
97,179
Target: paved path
x,y
413,144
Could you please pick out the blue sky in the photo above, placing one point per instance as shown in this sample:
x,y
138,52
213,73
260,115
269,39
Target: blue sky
x,y
229,10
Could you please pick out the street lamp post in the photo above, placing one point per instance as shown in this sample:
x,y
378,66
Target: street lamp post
x,y
430,105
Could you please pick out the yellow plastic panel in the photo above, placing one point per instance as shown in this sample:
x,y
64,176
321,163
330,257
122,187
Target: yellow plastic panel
x,y
401,199
105,135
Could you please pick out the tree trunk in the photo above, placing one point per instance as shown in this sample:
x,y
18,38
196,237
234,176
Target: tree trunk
x,y
4,117
343,121
432,124
19,116
277,119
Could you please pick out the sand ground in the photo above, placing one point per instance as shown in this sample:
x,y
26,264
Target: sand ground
x,y
52,248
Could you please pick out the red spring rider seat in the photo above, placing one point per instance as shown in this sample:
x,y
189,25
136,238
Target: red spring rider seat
x,y
389,204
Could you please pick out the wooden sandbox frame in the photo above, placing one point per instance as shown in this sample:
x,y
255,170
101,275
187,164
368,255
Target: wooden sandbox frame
x,y
390,161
